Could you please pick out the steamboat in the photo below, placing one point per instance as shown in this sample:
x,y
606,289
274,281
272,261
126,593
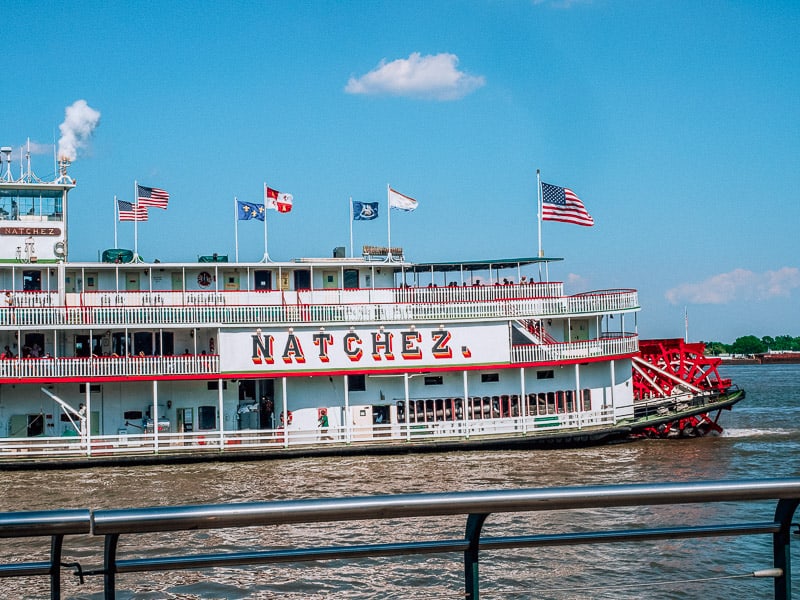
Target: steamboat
x,y
120,360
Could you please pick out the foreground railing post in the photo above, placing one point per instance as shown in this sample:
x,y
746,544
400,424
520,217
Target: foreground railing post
x,y
471,556
781,546
56,546
110,566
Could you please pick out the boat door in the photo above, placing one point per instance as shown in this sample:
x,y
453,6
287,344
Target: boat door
x,y
351,279
90,282
82,348
302,279
330,280
143,343
32,281
185,420
231,279
69,281
361,418
132,281
578,330
266,412
206,418
262,280
177,281
26,425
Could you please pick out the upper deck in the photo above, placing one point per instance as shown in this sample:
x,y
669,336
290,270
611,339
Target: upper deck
x,y
189,308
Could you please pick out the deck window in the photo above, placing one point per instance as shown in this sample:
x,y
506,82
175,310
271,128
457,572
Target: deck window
x,y
434,380
356,383
206,417
263,280
32,281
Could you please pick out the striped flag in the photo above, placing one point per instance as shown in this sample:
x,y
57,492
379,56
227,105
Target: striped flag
x,y
562,204
401,201
154,197
131,212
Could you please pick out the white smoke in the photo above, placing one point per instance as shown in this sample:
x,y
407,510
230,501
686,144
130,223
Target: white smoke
x,y
79,123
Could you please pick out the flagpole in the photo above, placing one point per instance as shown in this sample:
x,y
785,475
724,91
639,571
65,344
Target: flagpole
x,y
686,323
136,221
266,253
389,221
236,225
351,227
539,217
116,215
539,209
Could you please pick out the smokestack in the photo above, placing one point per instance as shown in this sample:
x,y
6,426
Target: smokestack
x,y
79,123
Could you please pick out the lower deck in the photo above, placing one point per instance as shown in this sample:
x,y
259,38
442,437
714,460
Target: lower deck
x,y
397,438
531,431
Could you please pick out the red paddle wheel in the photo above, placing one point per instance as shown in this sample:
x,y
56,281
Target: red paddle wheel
x,y
674,370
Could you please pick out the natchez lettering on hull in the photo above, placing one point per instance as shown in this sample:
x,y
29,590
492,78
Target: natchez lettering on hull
x,y
322,348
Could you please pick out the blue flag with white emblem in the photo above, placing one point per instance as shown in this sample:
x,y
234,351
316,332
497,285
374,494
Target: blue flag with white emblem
x,y
365,211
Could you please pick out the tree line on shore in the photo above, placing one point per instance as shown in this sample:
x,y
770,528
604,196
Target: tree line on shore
x,y
750,344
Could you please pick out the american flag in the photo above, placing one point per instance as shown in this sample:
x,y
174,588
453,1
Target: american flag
x,y
131,212
561,204
154,197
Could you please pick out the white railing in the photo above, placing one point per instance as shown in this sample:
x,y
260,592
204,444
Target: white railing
x,y
276,439
528,353
109,366
478,293
210,313
321,296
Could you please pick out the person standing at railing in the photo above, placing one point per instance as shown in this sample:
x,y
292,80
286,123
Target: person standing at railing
x,y
324,424
9,299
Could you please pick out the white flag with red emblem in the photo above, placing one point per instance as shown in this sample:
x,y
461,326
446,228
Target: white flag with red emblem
x,y
277,200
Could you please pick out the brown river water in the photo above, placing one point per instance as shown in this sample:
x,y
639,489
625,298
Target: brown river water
x,y
762,440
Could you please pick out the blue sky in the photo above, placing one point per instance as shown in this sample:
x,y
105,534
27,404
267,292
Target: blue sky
x,y
676,122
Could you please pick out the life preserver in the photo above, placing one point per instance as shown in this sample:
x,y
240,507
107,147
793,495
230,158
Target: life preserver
x,y
204,279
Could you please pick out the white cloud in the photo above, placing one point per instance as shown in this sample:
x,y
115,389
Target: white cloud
x,y
575,282
739,284
30,146
434,77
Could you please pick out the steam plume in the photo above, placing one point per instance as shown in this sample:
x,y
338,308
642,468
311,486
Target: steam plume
x,y
79,123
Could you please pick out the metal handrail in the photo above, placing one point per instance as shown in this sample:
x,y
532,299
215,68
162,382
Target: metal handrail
x,y
477,506
55,524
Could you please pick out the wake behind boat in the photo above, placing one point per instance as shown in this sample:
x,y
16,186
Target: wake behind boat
x,y
127,361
